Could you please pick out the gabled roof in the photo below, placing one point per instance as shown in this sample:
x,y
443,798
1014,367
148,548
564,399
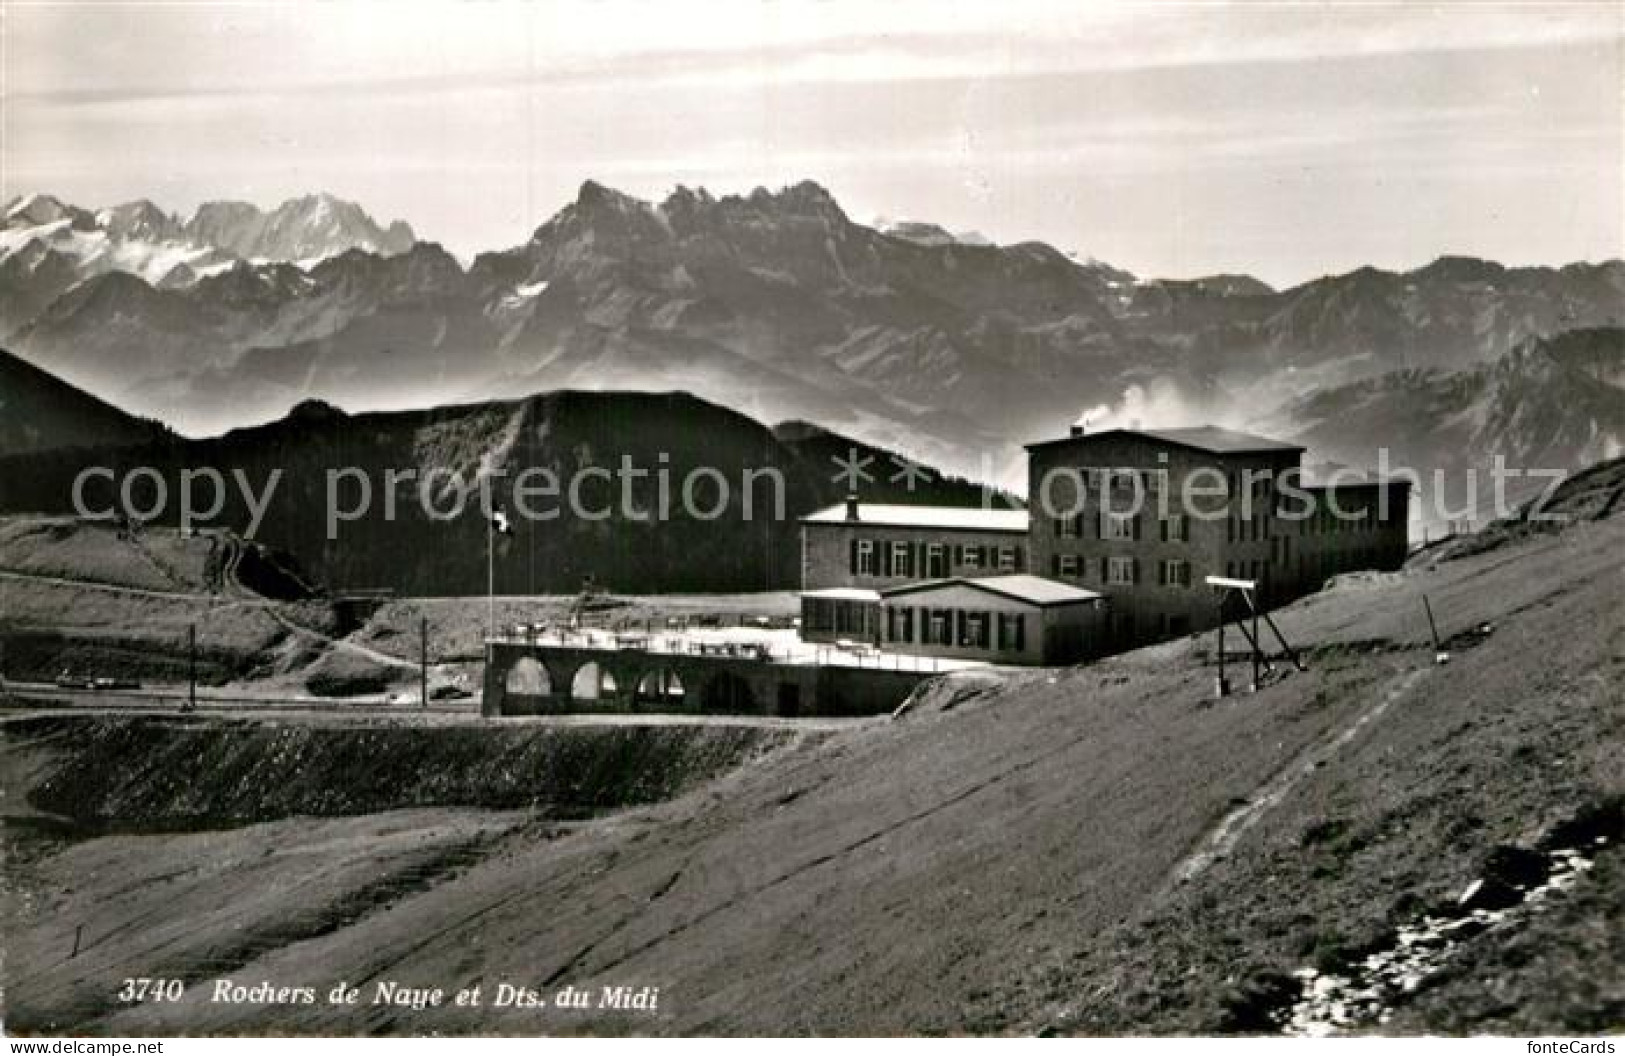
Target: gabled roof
x,y
965,518
1034,590
1210,438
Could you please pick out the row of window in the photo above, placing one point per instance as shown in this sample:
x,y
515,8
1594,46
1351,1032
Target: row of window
x,y
840,617
1261,483
1326,522
1104,524
962,628
897,557
1257,571
1119,571
1248,529
1174,528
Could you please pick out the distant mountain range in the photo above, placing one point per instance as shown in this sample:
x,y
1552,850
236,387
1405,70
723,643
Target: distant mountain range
x,y
47,247
50,431
775,304
1553,403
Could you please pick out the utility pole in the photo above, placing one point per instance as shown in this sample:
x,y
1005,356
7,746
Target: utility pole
x,y
423,657
1439,655
1257,648
191,667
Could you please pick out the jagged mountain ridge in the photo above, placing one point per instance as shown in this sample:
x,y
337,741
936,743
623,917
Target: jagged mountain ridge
x,y
778,304
1554,403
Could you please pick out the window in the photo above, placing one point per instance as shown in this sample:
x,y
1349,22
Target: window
x,y
900,560
972,557
1120,571
1012,631
851,617
1008,559
1175,529
866,557
900,625
1070,565
1117,526
936,561
1174,573
974,630
1067,527
820,615
938,634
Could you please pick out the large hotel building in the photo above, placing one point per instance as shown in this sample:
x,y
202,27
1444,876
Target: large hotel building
x,y
1120,530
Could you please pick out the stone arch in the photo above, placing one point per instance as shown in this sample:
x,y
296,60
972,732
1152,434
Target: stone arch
x,y
661,687
593,681
528,677
727,693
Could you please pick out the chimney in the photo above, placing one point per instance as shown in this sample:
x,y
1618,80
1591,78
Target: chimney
x,y
851,507
1078,428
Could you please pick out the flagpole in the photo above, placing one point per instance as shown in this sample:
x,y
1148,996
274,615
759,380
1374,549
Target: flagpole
x,y
490,577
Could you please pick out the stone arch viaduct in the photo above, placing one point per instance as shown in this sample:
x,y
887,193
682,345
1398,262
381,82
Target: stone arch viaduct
x,y
524,678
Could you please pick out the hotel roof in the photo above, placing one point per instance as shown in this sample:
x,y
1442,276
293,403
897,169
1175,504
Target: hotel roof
x,y
883,515
1035,590
1210,438
842,594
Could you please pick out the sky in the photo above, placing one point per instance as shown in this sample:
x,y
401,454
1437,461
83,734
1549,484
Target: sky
x,y
1285,140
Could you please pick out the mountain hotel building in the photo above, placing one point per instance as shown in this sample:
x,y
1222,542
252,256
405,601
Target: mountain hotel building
x,y
1120,531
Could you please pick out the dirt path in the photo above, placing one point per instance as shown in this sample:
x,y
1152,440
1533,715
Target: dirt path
x,y
112,588
342,644
1224,836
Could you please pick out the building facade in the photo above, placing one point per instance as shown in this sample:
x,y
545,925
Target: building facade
x,y
873,546
1145,515
1008,619
1133,519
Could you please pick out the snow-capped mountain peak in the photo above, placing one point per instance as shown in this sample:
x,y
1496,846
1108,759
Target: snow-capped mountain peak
x,y
140,238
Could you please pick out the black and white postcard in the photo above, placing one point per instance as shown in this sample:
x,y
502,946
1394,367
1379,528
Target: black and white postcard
x,y
812,517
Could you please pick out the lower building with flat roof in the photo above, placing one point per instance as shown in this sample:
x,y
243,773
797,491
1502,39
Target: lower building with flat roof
x,y
1007,619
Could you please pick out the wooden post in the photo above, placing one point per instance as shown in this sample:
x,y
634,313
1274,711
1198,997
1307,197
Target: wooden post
x,y
423,657
1222,689
1433,628
191,668
1257,652
1439,654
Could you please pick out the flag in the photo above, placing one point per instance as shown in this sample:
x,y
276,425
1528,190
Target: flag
x,y
499,522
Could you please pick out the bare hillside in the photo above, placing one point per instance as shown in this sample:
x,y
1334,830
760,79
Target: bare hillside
x,y
1105,849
